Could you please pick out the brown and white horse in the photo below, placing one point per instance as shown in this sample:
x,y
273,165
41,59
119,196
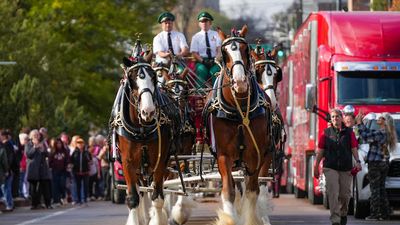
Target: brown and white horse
x,y
269,74
174,83
240,133
143,124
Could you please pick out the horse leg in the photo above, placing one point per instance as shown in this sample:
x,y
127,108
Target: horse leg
x,y
249,209
158,215
229,213
182,210
129,157
264,207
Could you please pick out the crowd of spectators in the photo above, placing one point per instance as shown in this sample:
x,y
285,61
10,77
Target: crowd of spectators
x,y
52,171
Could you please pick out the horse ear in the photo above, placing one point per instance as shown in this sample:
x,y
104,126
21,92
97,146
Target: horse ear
x,y
127,62
221,34
184,73
274,51
253,54
243,31
148,56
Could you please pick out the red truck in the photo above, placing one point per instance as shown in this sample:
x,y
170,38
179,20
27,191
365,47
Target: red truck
x,y
336,59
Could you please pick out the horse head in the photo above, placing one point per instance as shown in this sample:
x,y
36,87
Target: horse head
x,y
268,72
142,80
236,58
172,79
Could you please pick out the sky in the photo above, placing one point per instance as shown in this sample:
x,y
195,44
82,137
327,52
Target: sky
x,y
259,8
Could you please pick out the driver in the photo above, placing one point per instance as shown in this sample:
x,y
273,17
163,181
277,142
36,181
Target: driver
x,y
205,46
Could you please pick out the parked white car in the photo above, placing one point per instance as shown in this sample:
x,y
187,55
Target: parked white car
x,y
361,187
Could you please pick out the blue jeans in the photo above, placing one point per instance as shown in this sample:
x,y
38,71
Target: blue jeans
x,y
23,185
6,188
59,178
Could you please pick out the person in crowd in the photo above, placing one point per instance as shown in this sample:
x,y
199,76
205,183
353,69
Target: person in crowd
x,y
71,184
105,170
45,138
38,173
168,42
65,139
336,146
4,169
80,160
23,183
94,171
205,47
381,143
12,167
58,161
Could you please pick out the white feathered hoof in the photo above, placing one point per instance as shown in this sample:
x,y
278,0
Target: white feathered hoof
x,y
158,215
182,210
132,218
224,219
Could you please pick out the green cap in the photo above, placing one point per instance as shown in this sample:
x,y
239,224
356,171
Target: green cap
x,y
165,16
204,16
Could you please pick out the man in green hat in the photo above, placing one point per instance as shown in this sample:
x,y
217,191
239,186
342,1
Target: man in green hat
x,y
168,41
205,46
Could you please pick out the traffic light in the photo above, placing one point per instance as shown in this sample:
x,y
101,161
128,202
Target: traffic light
x,y
280,53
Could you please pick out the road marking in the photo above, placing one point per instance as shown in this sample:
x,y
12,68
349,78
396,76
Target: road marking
x,y
45,217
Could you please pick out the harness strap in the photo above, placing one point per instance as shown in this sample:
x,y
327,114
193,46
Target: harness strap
x,y
246,123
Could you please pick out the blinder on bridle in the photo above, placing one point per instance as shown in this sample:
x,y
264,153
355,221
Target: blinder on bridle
x,y
236,41
268,64
142,69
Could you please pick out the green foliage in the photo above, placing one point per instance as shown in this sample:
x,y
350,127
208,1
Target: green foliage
x,y
379,5
67,55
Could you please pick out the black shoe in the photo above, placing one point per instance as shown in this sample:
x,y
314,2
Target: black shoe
x,y
343,220
371,218
380,218
35,207
335,223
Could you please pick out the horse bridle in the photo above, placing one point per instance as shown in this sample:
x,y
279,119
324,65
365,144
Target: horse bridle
x,y
267,67
234,46
141,74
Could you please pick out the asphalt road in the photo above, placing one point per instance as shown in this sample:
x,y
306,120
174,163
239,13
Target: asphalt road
x,y
287,210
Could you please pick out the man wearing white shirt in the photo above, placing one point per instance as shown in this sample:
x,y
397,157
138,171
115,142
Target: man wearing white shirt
x,y
168,41
205,46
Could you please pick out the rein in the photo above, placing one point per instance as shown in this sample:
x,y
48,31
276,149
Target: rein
x,y
246,122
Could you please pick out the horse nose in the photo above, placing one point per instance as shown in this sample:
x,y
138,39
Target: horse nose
x,y
148,114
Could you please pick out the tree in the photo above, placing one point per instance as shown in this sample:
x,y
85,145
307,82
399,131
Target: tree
x,y
379,5
69,53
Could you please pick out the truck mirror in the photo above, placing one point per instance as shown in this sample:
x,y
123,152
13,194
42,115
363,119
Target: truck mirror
x,y
289,111
310,97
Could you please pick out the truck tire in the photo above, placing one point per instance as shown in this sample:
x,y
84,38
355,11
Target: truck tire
x,y
310,184
289,182
361,208
299,193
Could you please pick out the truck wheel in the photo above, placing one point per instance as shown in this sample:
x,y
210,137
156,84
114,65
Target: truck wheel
x,y
361,208
289,179
299,193
310,184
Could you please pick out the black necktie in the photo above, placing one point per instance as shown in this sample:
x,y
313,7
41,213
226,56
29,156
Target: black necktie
x,y
208,47
170,44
